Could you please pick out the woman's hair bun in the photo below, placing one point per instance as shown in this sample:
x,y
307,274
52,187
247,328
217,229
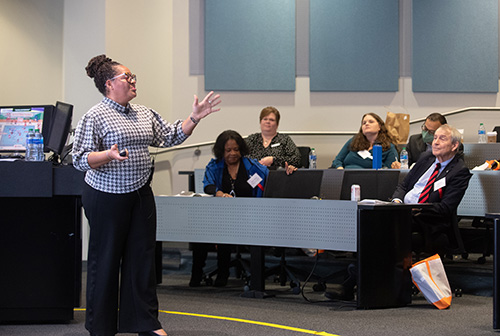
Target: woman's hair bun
x,y
95,63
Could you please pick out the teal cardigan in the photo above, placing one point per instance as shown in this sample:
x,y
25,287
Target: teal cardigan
x,y
351,160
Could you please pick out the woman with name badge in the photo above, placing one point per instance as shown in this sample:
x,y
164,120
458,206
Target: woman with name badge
x,y
358,153
271,148
229,174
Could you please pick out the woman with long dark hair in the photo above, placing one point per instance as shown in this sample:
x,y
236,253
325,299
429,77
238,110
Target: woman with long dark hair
x,y
357,151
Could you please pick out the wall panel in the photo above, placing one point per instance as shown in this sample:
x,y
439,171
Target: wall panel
x,y
354,45
455,46
250,45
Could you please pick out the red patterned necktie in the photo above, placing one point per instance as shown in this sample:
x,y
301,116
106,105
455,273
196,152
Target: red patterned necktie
x,y
424,196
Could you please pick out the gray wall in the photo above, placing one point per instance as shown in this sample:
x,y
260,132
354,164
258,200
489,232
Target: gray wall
x,y
52,40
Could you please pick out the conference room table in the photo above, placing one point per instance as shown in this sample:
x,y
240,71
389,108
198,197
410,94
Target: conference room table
x,y
380,234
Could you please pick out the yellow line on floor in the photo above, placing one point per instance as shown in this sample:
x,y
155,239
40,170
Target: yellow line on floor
x,y
272,325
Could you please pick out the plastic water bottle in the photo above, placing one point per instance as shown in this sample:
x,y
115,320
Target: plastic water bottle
x,y
403,158
30,154
39,146
481,132
377,156
312,159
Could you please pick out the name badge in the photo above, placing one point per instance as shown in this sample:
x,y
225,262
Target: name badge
x,y
365,154
275,145
254,180
440,184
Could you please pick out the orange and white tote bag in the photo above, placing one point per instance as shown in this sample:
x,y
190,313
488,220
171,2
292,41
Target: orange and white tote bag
x,y
430,278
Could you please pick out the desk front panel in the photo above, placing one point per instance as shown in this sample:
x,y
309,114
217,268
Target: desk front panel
x,y
482,195
320,224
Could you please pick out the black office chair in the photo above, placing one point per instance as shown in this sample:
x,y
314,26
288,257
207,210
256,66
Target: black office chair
x,y
284,272
456,243
479,237
241,266
304,183
304,156
497,129
446,244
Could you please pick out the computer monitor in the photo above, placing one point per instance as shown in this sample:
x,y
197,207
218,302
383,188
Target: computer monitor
x,y
303,183
16,121
374,184
60,128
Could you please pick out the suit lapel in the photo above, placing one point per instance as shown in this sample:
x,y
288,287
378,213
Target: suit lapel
x,y
422,145
448,168
422,169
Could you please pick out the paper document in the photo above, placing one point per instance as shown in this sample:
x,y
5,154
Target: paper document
x,y
373,201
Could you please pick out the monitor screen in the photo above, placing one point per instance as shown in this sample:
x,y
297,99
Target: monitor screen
x,y
16,121
303,183
60,127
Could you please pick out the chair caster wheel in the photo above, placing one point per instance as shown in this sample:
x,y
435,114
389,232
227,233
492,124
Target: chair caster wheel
x,y
246,288
209,281
414,290
481,260
293,284
296,290
319,287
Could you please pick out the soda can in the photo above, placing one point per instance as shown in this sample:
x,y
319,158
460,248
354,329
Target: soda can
x,y
355,193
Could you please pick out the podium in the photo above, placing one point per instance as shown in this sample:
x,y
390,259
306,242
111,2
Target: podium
x,y
40,243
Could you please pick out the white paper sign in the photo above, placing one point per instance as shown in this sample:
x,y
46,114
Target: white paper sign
x,y
440,184
365,154
254,180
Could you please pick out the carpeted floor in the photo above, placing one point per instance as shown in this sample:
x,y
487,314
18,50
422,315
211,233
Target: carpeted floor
x,y
211,311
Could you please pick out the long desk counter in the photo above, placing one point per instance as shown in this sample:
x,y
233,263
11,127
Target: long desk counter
x,y
255,221
380,234
482,195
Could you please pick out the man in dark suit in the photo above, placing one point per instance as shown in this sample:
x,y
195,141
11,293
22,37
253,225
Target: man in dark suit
x,y
421,143
440,178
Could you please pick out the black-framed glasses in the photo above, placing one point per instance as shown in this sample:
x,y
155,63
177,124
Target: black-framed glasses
x,y
424,128
129,77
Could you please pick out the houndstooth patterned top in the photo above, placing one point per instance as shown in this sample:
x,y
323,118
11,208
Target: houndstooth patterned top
x,y
134,127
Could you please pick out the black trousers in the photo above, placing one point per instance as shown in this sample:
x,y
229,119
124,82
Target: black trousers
x,y
200,253
120,271
430,233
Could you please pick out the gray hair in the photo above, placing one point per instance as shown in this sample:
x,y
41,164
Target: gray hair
x,y
456,136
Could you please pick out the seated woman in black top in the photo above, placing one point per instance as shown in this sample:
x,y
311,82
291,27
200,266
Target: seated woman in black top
x,y
227,176
271,148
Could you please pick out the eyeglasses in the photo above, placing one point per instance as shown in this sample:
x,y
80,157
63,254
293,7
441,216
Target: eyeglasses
x,y
424,128
129,77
